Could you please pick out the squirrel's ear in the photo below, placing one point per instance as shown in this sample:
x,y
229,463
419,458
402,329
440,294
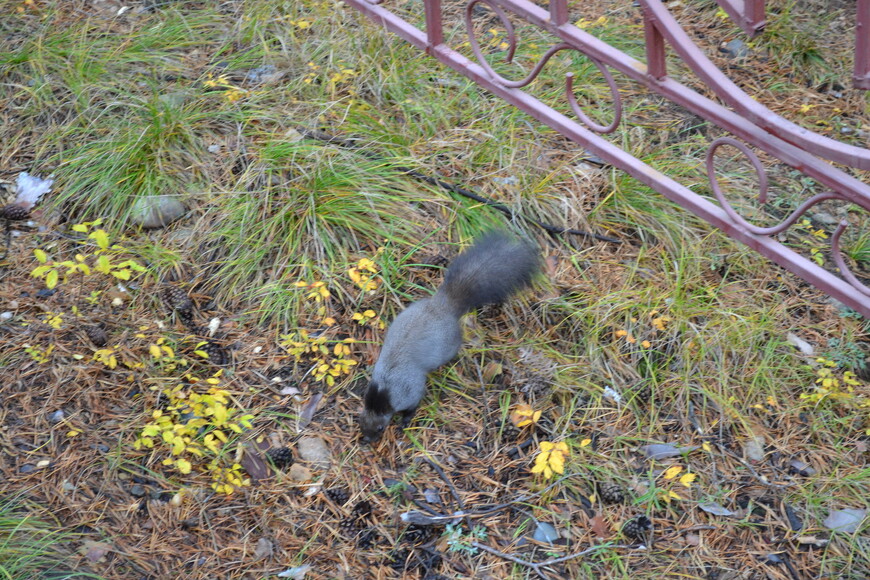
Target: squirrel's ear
x,y
377,400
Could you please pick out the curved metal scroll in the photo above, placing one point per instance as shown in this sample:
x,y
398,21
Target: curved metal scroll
x,y
749,121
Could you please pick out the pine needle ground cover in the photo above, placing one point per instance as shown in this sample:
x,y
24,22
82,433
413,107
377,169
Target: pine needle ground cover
x,y
180,402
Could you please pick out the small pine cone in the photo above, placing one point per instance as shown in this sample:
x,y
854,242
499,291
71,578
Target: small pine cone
x,y
366,539
637,528
611,493
186,317
216,355
14,212
361,510
281,456
350,526
177,299
97,335
338,495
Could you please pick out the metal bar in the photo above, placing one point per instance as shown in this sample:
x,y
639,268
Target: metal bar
x,y
655,50
559,12
434,27
861,79
747,14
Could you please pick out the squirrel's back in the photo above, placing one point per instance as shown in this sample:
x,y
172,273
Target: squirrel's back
x,y
488,272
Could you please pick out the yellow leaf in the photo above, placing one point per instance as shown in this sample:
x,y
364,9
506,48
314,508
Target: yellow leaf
x,y
687,479
73,433
674,495
707,447
41,256
183,466
51,279
557,462
673,471
546,446
154,350
585,442
81,228
101,238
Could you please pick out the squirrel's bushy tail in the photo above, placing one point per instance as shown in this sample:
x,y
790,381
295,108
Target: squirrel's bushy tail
x,y
488,272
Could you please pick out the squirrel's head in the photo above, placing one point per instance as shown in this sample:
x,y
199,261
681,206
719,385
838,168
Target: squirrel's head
x,y
376,414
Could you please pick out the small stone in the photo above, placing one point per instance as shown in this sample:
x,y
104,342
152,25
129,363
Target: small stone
x,y
4,316
315,451
299,473
263,549
545,533
46,292
754,448
137,491
57,416
156,211
27,468
736,49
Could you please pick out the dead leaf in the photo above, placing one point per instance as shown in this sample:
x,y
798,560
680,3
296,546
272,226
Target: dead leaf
x,y
715,509
665,450
492,370
264,549
96,551
254,464
845,520
599,526
308,410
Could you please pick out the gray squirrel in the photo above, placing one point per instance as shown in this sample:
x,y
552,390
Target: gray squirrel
x,y
427,334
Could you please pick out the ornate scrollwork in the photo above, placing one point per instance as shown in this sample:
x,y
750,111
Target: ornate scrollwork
x,y
536,70
836,253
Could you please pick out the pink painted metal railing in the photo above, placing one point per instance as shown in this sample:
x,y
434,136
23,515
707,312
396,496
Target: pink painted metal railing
x,y
747,120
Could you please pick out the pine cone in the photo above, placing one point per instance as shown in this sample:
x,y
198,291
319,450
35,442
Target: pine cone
x,y
97,335
281,456
14,212
177,299
637,528
611,493
339,495
216,355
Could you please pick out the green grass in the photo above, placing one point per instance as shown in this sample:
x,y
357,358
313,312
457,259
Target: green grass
x,y
32,546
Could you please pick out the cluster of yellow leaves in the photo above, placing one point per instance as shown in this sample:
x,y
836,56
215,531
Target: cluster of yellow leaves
x,y
231,92
225,480
39,355
104,259
658,321
194,426
523,415
331,359
584,23
685,480
362,275
107,357
369,317
551,459
830,386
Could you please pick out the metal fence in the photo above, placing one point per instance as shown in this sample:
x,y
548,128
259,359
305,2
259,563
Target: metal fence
x,y
750,124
